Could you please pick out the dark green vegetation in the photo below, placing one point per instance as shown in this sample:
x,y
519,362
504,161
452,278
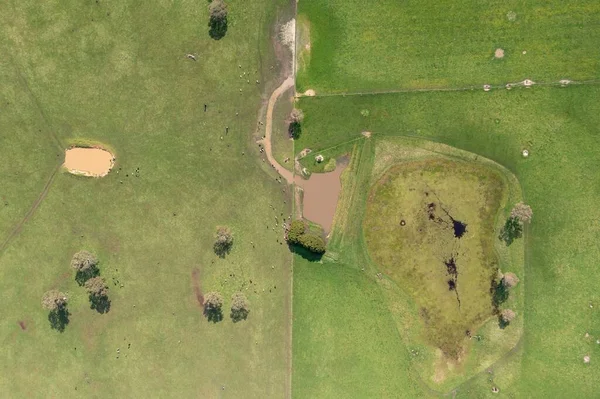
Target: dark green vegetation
x,y
429,226
218,19
359,46
116,73
299,234
559,127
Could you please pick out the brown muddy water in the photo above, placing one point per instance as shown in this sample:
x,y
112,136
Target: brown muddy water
x,y
321,193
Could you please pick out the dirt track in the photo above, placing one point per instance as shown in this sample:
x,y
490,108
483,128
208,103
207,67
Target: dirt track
x,y
287,175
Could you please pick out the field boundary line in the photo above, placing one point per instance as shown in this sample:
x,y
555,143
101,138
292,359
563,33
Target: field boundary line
x,y
451,89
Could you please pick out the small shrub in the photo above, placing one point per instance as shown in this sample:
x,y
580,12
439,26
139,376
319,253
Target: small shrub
x,y
506,316
240,307
213,302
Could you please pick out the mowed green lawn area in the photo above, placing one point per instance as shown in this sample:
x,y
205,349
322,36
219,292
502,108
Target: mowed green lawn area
x,y
115,72
357,46
559,179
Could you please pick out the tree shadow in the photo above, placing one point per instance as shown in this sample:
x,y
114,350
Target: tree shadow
x,y
59,319
294,130
218,28
221,250
82,276
499,294
214,315
511,230
100,303
305,253
239,315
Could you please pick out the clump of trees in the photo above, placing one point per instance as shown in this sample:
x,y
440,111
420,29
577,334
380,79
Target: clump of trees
x,y
240,307
223,241
213,302
501,291
86,266
295,127
297,235
513,227
56,303
218,19
98,294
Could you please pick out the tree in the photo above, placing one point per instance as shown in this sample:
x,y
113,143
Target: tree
x,y
223,241
98,294
218,19
86,266
512,230
313,243
213,302
510,280
296,118
240,307
297,115
507,316
522,213
56,302
295,231
96,286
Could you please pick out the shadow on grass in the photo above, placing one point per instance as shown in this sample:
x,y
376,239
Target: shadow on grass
x,y
305,253
499,294
218,28
214,315
239,315
59,319
82,277
100,303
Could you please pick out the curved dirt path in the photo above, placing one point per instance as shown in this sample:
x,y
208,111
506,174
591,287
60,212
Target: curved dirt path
x,y
266,142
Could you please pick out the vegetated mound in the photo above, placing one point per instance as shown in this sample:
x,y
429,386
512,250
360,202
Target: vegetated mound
x,y
430,227
93,162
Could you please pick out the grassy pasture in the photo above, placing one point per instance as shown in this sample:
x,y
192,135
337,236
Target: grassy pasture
x,y
559,180
357,46
116,73
410,235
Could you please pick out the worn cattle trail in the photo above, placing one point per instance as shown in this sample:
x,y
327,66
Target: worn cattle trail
x,y
286,174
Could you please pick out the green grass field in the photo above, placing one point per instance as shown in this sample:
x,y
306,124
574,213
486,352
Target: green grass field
x,y
116,73
357,46
560,129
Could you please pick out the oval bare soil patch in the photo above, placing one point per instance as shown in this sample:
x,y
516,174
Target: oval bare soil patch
x,y
93,162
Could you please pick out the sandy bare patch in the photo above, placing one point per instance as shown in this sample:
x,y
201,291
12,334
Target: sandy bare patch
x,y
287,34
310,93
321,193
499,53
366,134
93,162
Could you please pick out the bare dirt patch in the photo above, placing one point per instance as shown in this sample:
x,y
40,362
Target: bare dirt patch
x,y
366,134
197,287
499,53
92,162
310,93
22,325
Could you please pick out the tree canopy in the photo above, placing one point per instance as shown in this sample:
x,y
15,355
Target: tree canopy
x,y
240,307
54,300
96,286
213,302
84,261
218,19
521,212
223,241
